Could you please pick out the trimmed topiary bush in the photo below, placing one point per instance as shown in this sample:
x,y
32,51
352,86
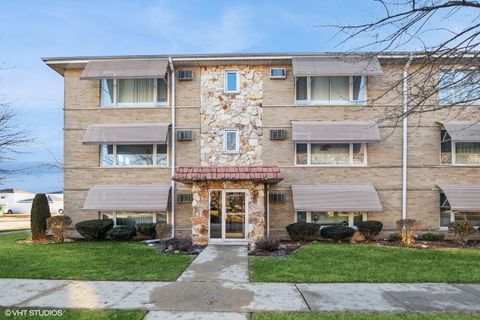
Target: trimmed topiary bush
x,y
302,231
94,229
268,244
57,225
337,233
121,233
146,229
430,236
39,214
370,229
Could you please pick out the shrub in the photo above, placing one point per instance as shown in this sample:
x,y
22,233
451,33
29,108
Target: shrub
x,y
396,236
94,229
429,236
267,244
408,229
163,230
57,226
370,229
39,214
146,229
337,233
302,231
179,244
122,233
461,231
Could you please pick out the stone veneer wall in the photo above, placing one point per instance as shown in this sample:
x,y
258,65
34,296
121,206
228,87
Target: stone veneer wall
x,y
242,111
255,198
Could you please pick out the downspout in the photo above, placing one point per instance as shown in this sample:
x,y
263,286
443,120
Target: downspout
x,y
267,208
172,192
405,137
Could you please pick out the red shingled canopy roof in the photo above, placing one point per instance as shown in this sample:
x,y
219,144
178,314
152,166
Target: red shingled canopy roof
x,y
270,174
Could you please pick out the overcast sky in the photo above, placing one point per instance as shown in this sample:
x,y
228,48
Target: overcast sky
x,y
33,29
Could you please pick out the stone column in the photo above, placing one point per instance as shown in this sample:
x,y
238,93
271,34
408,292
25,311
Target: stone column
x,y
256,213
200,213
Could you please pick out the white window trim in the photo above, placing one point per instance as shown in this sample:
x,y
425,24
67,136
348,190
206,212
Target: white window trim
x,y
454,154
350,217
225,82
237,141
278,77
310,102
114,164
453,88
152,104
154,216
351,164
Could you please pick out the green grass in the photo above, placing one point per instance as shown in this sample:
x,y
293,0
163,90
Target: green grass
x,y
364,316
331,262
76,314
84,260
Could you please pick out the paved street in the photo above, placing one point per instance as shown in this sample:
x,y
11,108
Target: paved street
x,y
13,223
216,286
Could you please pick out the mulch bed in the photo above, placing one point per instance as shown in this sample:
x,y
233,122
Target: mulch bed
x,y
430,244
286,247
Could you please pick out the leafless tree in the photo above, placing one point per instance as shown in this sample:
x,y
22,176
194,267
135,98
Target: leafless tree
x,y
442,74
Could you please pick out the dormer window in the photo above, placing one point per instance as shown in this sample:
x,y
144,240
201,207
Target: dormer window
x,y
133,92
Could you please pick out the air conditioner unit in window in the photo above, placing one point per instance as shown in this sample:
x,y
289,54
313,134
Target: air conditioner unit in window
x,y
277,197
185,74
184,135
278,134
278,73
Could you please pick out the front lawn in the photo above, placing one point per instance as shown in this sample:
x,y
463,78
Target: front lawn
x,y
71,314
332,262
364,316
106,260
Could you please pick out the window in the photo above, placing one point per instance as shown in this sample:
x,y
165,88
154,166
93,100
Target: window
x,y
134,218
346,154
134,155
335,90
131,92
231,141
447,216
330,218
458,153
278,73
232,81
459,86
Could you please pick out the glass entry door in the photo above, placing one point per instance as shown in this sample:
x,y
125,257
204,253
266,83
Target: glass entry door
x,y
228,214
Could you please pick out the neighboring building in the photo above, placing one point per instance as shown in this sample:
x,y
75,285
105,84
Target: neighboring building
x,y
255,142
18,201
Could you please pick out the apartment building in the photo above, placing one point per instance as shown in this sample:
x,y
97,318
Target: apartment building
x,y
228,148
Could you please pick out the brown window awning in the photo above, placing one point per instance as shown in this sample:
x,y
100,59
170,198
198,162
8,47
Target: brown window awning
x,y
331,197
463,131
124,197
336,66
126,133
125,69
335,132
463,198
268,174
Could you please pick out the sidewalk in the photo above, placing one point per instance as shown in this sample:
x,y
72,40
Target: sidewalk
x,y
216,286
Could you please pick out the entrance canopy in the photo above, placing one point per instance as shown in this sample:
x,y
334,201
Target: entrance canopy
x,y
332,197
463,198
269,174
126,197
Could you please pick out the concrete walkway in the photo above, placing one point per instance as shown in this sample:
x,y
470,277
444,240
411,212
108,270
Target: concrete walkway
x,y
215,286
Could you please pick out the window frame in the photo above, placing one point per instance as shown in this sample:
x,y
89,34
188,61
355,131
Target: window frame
x,y
351,216
453,156
237,141
278,77
114,154
453,90
310,102
350,164
155,215
237,83
152,104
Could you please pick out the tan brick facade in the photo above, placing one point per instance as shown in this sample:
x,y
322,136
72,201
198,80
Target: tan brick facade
x,y
384,169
